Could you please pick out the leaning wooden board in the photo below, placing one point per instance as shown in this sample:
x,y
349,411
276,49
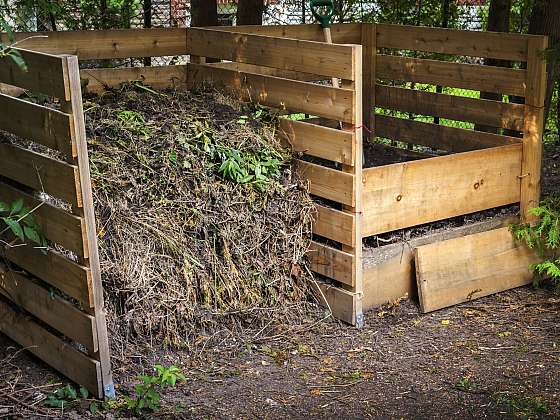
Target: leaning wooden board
x,y
470,267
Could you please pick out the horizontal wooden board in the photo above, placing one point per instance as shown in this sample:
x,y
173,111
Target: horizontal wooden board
x,y
335,224
347,33
327,183
451,139
268,71
30,121
282,53
332,263
459,75
318,141
54,351
296,96
497,45
42,173
460,108
49,308
45,74
462,269
57,225
158,77
344,305
411,193
55,269
105,44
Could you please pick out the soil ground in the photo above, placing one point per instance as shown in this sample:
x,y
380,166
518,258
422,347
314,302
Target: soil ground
x,y
497,357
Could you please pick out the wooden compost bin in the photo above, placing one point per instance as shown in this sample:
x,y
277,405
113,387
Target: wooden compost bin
x,y
288,68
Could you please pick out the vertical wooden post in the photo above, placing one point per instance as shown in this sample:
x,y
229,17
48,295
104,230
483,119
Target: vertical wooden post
x,y
74,106
533,127
369,50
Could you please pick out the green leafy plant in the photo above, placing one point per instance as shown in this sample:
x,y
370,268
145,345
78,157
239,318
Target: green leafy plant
x,y
134,122
20,221
65,396
8,50
148,391
544,238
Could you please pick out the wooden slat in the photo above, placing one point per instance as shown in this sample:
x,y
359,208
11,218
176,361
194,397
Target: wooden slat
x,y
460,108
318,141
41,173
347,33
466,76
49,308
332,263
59,354
335,224
268,71
327,183
344,305
106,44
296,96
55,269
45,74
462,269
158,77
497,45
407,194
281,53
440,137
45,126
57,225
369,75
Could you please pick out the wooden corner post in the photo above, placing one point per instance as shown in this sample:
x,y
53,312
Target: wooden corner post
x,y
369,50
535,91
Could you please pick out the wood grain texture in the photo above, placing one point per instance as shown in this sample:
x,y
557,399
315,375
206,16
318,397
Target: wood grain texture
x,y
344,305
462,269
332,263
335,224
281,53
268,71
327,183
459,75
407,194
296,96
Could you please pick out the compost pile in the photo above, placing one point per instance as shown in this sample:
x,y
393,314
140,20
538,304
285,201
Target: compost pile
x,y
201,223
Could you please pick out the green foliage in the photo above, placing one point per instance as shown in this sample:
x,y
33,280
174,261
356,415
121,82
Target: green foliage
x,y
522,406
7,50
20,221
148,394
544,238
134,122
65,396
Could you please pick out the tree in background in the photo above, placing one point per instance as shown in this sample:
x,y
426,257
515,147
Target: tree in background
x,y
250,12
204,13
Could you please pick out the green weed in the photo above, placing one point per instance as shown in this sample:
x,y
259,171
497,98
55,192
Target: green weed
x,y
521,405
65,396
20,221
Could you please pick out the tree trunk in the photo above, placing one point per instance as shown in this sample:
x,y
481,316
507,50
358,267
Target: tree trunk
x,y
545,20
498,21
204,13
147,24
444,24
250,12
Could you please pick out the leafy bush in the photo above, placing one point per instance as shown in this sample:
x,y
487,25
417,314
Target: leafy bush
x,y
7,50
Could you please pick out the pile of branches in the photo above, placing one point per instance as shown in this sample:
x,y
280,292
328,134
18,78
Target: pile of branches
x,y
201,223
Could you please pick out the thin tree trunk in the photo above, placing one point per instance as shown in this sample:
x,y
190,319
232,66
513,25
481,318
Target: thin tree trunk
x,y
147,24
444,24
250,12
204,13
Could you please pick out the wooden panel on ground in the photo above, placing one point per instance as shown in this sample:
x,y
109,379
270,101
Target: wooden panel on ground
x,y
46,73
462,269
451,139
459,75
411,193
40,124
497,45
158,77
49,348
49,308
281,53
42,173
460,108
106,44
389,271
344,305
327,183
332,263
314,140
276,92
57,225
335,224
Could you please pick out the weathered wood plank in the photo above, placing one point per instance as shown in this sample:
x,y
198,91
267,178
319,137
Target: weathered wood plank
x,y
268,71
344,305
440,137
42,173
40,124
276,92
460,108
407,194
335,224
462,269
281,53
49,308
60,355
332,263
327,183
466,76
503,46
318,141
